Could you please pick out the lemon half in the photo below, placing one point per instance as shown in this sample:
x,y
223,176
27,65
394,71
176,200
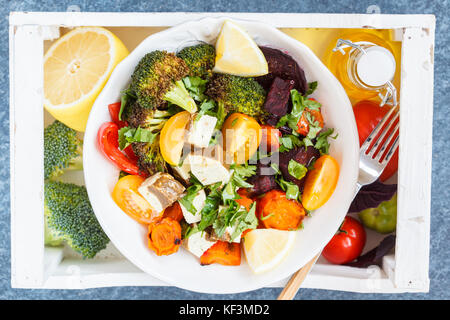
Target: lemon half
x,y
76,68
238,54
266,248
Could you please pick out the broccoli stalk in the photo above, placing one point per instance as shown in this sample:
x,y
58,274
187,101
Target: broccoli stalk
x,y
180,96
62,150
69,217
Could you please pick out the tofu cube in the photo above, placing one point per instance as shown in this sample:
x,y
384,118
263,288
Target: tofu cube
x,y
200,130
184,170
198,203
161,190
197,244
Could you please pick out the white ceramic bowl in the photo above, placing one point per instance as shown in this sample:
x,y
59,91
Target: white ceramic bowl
x,y
183,269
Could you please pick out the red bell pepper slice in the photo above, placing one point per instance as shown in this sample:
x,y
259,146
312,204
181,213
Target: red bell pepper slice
x,y
114,109
108,142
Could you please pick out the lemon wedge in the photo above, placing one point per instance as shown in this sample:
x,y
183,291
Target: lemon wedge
x,y
238,54
76,68
266,248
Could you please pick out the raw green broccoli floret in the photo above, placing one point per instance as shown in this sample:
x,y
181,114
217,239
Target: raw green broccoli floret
x,y
62,150
69,217
238,94
200,59
157,79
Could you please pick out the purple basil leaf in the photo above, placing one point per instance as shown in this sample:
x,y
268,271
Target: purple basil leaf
x,y
370,196
374,256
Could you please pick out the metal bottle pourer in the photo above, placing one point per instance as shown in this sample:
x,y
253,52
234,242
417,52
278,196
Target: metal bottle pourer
x,y
371,67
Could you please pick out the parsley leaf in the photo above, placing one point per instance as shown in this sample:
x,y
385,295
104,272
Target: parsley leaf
x,y
291,189
297,170
322,143
196,87
244,220
188,199
312,86
128,135
126,97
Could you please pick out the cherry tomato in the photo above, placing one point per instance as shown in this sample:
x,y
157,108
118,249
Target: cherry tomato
x,y
172,137
303,123
320,182
241,136
107,139
347,244
367,115
270,137
127,197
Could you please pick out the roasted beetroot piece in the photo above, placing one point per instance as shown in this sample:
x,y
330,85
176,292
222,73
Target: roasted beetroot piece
x,y
262,184
283,66
264,179
302,156
278,97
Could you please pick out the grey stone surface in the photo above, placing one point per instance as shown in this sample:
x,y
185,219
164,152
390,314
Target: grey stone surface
x,y
440,213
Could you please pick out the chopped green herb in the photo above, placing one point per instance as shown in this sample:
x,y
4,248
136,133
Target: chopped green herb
x,y
297,170
312,86
128,135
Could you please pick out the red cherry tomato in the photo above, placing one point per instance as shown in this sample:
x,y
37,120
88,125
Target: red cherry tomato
x,y
347,244
367,115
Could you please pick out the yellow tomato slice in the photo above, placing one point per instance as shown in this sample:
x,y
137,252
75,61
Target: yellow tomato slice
x,y
241,136
320,182
172,137
127,197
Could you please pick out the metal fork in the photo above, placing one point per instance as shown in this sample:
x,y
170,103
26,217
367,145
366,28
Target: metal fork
x,y
371,165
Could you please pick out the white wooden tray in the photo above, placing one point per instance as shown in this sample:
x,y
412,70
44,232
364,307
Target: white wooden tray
x,y
35,266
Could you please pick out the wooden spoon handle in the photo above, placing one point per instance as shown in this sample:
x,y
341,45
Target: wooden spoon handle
x,y
294,283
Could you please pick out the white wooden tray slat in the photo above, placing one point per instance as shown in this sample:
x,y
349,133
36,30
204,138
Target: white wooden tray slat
x,y
406,270
27,159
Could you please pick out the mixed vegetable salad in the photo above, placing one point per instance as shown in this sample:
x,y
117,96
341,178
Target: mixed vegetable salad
x,y
207,157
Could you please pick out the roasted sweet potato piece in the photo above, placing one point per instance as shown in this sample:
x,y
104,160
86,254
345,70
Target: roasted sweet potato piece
x,y
222,252
277,212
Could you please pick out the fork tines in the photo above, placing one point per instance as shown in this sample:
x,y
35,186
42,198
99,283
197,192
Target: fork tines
x,y
384,134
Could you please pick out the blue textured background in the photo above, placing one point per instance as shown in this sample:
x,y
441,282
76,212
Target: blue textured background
x,y
440,213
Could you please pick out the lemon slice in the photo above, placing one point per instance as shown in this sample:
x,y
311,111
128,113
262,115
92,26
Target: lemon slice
x,y
238,54
266,248
76,68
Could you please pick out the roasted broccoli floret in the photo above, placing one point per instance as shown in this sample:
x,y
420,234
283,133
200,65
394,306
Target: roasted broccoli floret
x,y
157,78
238,94
200,59
152,119
149,156
69,217
62,150
150,159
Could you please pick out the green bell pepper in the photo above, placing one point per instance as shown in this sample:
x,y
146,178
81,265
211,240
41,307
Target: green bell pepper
x,y
382,219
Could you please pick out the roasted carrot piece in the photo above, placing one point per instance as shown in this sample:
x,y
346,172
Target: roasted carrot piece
x,y
164,236
277,212
244,201
174,212
222,252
